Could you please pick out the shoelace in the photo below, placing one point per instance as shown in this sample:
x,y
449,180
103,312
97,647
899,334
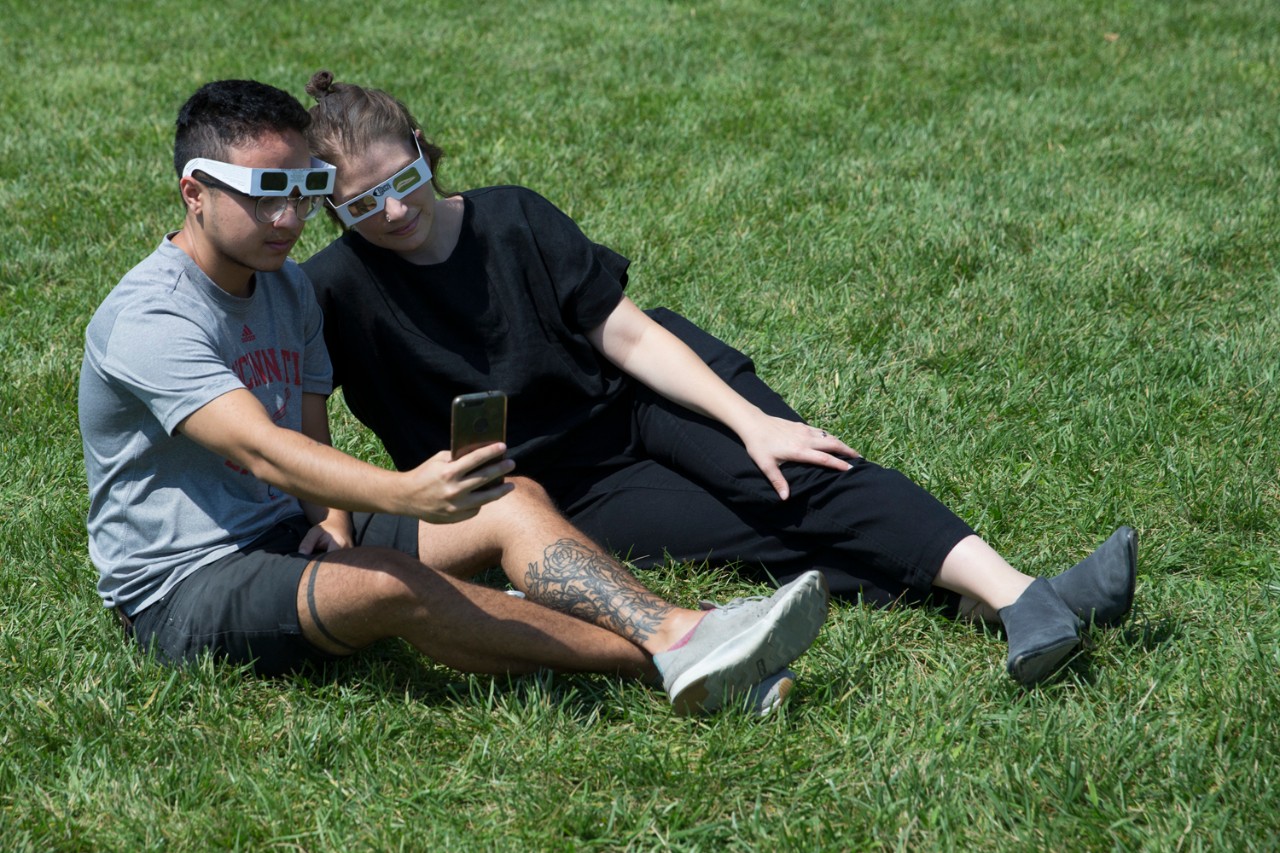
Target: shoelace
x,y
704,604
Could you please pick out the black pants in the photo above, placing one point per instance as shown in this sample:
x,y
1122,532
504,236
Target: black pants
x,y
685,487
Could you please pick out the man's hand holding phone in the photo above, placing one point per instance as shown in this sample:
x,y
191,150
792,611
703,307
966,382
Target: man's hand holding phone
x,y
445,490
453,485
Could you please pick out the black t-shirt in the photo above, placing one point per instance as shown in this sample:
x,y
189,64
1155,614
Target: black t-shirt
x,y
508,310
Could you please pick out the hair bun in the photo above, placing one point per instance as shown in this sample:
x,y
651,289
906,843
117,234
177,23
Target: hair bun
x,y
320,84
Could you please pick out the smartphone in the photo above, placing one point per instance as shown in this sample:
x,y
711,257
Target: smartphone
x,y
478,419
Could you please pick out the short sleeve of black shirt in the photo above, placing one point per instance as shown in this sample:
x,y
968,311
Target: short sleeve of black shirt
x,y
508,310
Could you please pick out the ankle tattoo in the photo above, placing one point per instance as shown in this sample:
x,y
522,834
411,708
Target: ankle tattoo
x,y
576,579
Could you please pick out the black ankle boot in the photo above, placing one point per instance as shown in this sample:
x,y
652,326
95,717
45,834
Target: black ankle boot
x,y
1100,587
1042,632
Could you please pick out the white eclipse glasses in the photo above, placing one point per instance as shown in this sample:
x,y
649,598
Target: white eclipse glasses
x,y
317,180
398,186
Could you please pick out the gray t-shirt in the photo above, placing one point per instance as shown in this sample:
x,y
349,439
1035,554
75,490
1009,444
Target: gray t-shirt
x,y
165,342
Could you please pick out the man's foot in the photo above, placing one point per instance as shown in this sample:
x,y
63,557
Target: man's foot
x,y
742,644
1042,632
767,696
1099,588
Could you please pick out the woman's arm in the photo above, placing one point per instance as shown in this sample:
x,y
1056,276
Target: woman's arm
x,y
650,354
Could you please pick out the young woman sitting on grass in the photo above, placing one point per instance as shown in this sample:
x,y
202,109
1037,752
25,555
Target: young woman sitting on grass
x,y
653,436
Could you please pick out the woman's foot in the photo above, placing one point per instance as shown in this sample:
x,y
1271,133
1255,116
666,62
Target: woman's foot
x,y
1042,631
1100,587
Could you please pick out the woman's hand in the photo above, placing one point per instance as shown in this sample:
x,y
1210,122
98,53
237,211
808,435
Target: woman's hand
x,y
771,441
652,355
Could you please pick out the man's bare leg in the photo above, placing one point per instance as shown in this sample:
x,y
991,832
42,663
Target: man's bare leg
x,y
353,598
555,565
739,652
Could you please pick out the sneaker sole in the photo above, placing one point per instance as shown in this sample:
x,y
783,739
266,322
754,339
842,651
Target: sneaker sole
x,y
772,645
776,700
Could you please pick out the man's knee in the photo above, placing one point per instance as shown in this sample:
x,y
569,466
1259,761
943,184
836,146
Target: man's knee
x,y
529,490
464,548
526,511
528,502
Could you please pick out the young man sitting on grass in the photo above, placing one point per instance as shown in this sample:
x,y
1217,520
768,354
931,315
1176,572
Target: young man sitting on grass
x,y
222,521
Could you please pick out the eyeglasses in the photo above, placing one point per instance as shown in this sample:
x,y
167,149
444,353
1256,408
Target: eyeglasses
x,y
397,186
269,208
271,187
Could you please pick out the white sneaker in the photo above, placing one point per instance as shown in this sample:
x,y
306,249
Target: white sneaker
x,y
768,696
737,647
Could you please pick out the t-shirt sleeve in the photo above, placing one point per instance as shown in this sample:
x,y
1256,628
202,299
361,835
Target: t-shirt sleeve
x,y
589,279
602,288
167,361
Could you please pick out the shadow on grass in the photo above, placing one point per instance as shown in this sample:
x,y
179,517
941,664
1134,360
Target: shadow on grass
x,y
1149,634
1138,633
391,669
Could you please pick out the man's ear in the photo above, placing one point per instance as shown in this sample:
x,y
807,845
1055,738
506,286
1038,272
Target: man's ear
x,y
193,195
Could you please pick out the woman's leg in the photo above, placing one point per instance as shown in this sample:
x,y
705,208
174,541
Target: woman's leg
x,y
646,512
834,505
909,532
974,569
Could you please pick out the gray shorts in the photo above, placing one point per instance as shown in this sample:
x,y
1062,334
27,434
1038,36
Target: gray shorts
x,y
244,607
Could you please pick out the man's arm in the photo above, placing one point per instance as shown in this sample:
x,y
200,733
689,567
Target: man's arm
x,y
650,354
236,426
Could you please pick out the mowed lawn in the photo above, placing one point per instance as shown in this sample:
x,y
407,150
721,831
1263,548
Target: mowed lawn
x,y
1025,253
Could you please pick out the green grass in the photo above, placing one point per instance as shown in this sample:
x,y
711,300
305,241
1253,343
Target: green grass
x,y
1024,252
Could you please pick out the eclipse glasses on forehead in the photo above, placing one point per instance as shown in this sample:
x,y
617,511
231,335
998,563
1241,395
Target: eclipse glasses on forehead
x,y
317,180
397,186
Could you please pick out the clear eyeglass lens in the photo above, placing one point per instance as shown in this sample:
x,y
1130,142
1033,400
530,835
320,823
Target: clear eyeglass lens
x,y
271,208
